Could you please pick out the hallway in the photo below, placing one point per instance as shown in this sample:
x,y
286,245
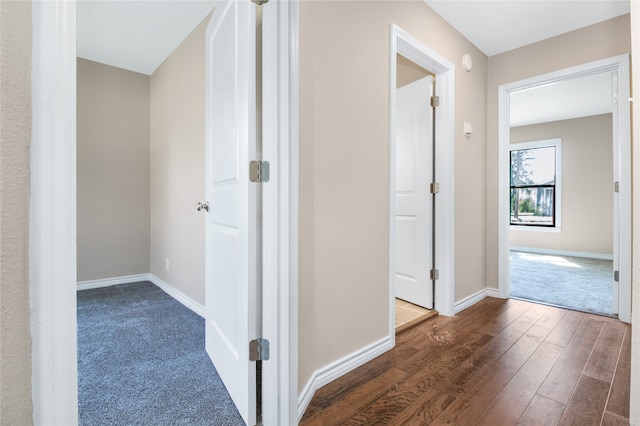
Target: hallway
x,y
498,362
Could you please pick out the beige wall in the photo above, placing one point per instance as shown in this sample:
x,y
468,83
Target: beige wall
x,y
408,71
586,185
178,167
602,40
318,292
15,136
344,163
113,171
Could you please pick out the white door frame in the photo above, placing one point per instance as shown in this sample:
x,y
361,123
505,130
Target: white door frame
x,y
52,244
280,210
622,154
411,48
52,240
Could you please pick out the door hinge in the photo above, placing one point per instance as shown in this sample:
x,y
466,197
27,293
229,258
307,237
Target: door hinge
x,y
616,276
435,188
616,186
434,274
435,101
259,350
259,171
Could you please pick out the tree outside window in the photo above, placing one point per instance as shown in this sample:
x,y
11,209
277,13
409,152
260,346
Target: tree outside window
x,y
534,184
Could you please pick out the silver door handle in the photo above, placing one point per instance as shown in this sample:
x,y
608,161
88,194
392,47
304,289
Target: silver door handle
x,y
202,206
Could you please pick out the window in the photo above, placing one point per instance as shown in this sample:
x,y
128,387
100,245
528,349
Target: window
x,y
535,188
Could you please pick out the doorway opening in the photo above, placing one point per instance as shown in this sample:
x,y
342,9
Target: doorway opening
x,y
415,202
564,187
414,67
124,115
561,189
53,215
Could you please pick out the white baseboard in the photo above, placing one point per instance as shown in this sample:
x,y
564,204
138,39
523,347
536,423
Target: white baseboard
x,y
493,292
108,282
469,301
179,296
128,279
336,369
601,256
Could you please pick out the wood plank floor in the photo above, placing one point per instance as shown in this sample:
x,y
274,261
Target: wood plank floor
x,y
500,362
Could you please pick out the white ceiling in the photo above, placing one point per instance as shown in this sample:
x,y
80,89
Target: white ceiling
x,y
577,97
137,35
517,23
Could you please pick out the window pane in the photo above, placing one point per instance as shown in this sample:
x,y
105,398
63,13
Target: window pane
x,y
535,166
532,206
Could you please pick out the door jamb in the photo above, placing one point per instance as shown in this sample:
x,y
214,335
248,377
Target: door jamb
x,y
280,210
622,135
408,46
52,261
52,241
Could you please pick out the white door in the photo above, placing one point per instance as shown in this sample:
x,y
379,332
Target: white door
x,y
231,219
413,209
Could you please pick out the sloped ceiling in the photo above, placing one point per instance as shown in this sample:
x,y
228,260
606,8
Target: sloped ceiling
x,y
136,35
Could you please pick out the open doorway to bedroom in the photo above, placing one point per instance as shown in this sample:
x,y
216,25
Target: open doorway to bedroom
x,y
564,165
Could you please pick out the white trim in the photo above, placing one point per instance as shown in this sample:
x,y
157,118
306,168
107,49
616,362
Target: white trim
x,y
622,135
521,228
492,292
408,46
471,300
178,295
280,211
132,279
542,143
339,368
634,386
108,282
53,214
622,169
52,241
553,252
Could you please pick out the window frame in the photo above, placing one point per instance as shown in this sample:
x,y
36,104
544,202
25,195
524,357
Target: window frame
x,y
543,143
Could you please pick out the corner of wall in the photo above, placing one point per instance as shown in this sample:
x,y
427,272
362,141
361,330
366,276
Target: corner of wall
x,y
177,167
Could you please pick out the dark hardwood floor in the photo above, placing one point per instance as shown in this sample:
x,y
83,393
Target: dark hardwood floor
x,y
500,362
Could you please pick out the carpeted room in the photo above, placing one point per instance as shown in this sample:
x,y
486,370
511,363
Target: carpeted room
x,y
568,261
141,360
140,141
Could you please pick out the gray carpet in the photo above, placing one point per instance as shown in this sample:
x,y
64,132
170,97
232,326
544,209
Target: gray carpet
x,y
142,361
571,282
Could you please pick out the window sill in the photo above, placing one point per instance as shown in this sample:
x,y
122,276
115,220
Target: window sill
x,y
535,228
